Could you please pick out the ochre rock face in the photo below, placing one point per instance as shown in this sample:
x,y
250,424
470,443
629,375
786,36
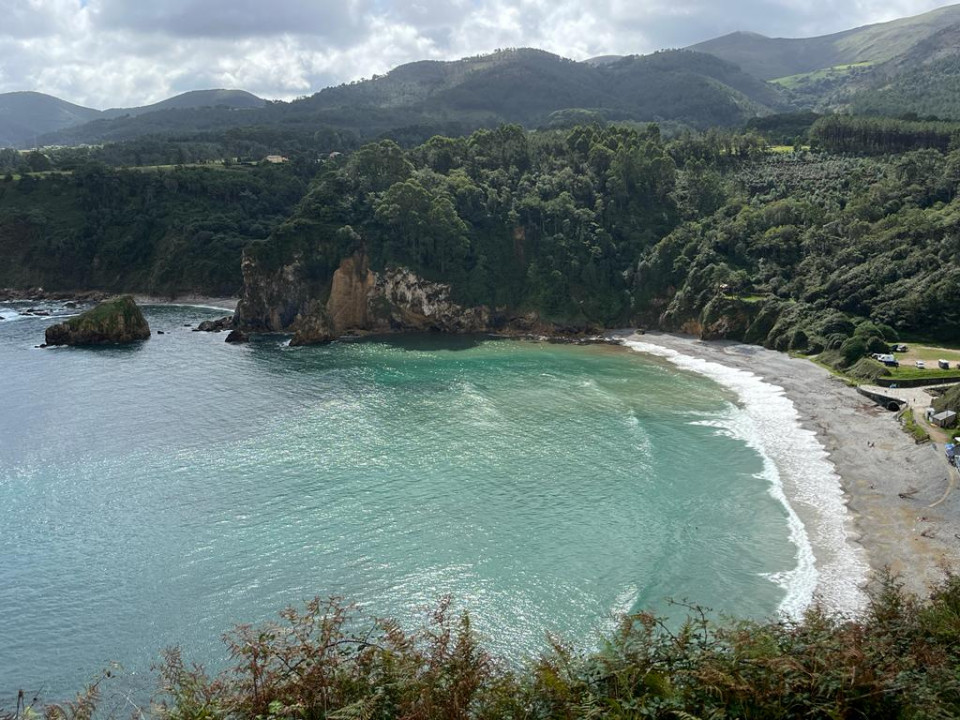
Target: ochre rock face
x,y
113,321
350,294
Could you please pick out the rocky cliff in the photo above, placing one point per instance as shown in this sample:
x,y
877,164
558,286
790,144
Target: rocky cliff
x,y
117,320
358,300
272,300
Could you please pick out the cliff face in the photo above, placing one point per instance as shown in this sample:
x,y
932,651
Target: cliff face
x,y
355,299
272,301
411,303
710,316
726,318
118,320
354,284
358,300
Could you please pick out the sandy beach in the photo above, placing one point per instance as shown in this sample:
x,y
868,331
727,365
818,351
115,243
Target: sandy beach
x,y
903,513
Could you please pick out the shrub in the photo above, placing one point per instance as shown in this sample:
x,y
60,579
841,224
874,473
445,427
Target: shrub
x,y
897,659
868,370
852,350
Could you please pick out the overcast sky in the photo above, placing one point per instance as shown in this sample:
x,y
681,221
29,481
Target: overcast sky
x,y
122,53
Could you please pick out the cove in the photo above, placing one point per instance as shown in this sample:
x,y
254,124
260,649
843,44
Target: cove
x,y
157,495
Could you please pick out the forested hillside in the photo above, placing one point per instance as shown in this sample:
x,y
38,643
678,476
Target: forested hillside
x,y
590,227
604,227
167,232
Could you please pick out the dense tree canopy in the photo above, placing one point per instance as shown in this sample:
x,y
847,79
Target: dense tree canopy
x,y
591,226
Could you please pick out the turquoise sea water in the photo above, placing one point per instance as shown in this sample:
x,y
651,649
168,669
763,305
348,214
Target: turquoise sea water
x,y
159,494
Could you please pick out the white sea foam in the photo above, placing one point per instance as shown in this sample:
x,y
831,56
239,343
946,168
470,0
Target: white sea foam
x,y
623,605
801,477
200,305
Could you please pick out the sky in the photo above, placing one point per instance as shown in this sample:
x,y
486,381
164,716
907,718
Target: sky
x,y
124,53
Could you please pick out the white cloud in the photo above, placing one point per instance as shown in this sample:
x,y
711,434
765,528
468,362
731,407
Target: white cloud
x,y
334,20
107,53
34,18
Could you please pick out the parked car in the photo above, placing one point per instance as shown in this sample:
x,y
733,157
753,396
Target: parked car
x,y
943,364
920,364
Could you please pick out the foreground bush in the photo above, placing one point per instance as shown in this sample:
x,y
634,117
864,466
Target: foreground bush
x,y
901,659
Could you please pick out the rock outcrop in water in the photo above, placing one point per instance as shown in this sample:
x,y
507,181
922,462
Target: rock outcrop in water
x,y
218,325
359,300
237,336
113,321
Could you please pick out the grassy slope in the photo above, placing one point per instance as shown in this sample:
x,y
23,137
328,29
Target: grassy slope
x,y
111,316
834,74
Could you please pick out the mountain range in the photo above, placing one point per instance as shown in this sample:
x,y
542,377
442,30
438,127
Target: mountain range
x,y
904,66
27,116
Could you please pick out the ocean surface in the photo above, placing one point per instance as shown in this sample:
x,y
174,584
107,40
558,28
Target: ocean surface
x,y
157,495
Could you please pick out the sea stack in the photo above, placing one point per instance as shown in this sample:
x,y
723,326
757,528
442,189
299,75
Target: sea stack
x,y
114,321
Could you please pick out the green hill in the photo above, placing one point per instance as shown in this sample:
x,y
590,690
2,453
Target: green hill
x,y
894,68
235,99
164,233
29,118
904,67
932,89
523,86
924,81
26,115
771,58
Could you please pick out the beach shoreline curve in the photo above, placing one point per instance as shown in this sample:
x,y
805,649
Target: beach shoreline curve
x,y
871,460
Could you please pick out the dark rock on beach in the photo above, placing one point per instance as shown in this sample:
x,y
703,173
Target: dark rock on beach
x,y
114,321
237,336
